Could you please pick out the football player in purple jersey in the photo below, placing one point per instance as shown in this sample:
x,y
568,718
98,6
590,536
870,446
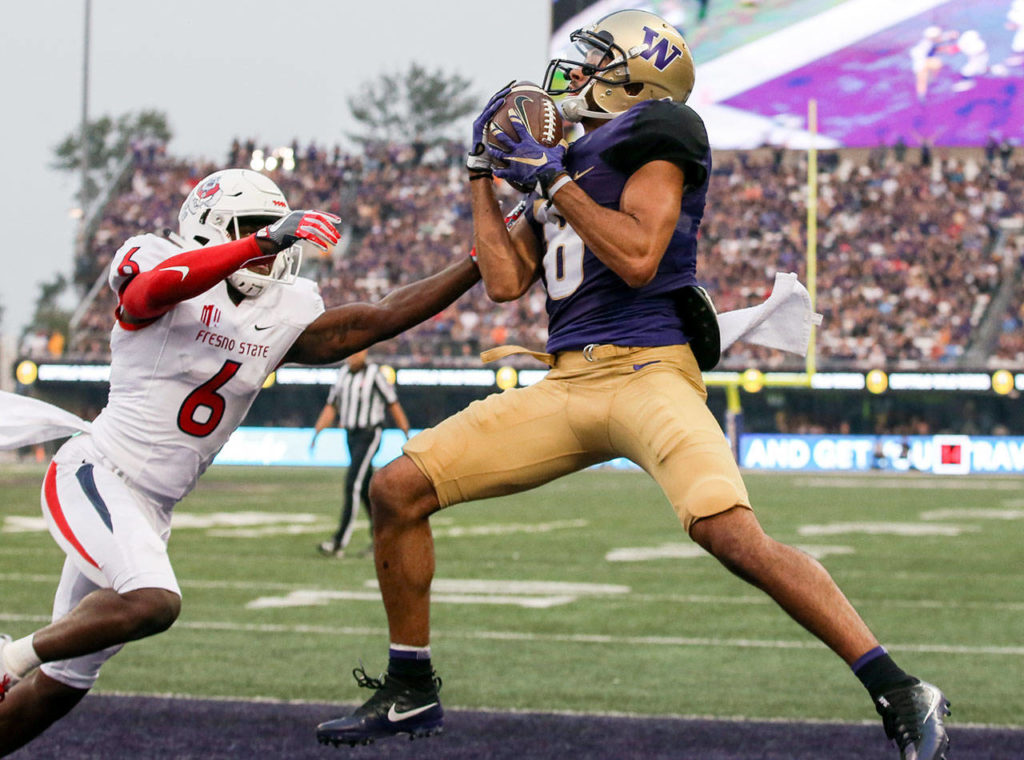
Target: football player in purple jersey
x,y
611,231
203,318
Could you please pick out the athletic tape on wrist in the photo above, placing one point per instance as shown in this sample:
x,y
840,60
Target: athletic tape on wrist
x,y
558,184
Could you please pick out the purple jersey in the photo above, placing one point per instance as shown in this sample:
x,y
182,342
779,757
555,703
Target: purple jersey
x,y
587,302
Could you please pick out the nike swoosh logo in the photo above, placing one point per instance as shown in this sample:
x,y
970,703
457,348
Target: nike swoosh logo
x,y
521,110
529,161
645,364
396,717
183,270
577,175
262,327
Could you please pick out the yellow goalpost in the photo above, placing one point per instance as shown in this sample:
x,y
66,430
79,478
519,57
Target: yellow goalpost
x,y
753,380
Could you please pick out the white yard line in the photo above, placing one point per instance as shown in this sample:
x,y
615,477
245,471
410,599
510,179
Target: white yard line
x,y
765,600
565,638
594,638
910,482
619,594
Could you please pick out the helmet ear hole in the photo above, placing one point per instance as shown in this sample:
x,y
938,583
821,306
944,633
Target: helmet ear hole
x,y
633,88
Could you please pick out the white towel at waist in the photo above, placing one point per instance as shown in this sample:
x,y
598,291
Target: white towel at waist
x,y
782,322
24,421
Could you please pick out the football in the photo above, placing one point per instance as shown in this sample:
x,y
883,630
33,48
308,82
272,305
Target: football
x,y
535,109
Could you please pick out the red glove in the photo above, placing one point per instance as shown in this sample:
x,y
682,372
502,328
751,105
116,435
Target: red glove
x,y
319,228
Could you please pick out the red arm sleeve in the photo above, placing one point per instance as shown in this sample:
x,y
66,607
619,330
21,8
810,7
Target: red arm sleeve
x,y
150,294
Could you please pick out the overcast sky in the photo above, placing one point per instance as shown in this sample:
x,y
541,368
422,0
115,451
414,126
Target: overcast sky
x,y
219,69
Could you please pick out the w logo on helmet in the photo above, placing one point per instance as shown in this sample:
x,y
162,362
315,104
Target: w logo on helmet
x,y
660,54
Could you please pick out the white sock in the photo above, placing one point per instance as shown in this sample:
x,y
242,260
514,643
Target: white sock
x,y
20,658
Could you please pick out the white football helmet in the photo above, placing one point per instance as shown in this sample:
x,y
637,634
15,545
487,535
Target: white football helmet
x,y
210,215
629,57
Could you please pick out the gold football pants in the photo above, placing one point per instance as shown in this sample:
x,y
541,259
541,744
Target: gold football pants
x,y
645,404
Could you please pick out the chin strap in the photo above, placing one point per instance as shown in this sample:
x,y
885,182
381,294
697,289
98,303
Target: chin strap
x,y
574,108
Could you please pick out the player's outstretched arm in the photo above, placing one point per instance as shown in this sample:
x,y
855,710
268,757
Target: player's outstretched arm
x,y
152,293
343,330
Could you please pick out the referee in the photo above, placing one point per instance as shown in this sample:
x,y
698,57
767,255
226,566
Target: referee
x,y
359,400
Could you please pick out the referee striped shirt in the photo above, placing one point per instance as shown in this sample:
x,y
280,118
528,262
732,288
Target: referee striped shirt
x,y
361,398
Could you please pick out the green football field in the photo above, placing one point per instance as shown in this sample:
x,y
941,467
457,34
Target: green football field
x,y
583,596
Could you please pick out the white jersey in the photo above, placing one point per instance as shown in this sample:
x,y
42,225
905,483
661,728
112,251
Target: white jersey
x,y
182,384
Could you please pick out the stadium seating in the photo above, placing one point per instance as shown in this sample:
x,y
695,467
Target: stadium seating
x,y
1009,348
910,254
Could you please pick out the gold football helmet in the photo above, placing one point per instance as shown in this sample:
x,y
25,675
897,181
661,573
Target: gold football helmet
x,y
628,57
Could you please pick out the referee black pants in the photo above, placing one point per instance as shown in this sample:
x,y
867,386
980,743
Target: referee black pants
x,y
362,447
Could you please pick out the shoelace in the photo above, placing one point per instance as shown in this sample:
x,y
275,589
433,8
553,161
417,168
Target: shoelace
x,y
5,686
365,681
369,682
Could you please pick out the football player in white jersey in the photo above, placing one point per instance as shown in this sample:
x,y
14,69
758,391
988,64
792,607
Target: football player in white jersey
x,y
203,318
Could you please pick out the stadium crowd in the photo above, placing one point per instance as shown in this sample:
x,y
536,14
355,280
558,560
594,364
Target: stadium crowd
x,y
910,248
1009,348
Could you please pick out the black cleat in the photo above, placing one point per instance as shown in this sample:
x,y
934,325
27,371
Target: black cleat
x,y
395,709
912,717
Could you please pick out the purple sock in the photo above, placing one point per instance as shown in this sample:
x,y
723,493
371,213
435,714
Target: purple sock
x,y
879,674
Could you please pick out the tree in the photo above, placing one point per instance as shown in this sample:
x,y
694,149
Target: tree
x,y
417,105
108,141
49,315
